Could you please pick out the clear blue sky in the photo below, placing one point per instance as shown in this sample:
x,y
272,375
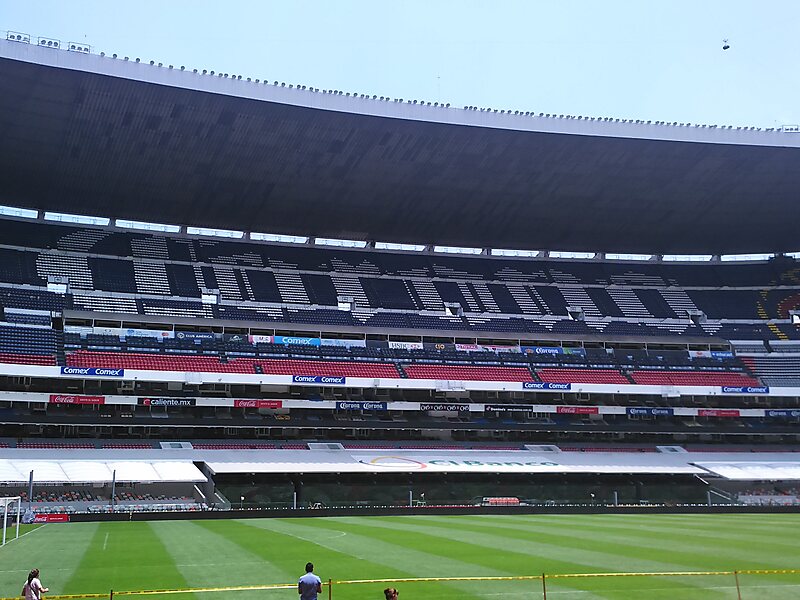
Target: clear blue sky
x,y
639,59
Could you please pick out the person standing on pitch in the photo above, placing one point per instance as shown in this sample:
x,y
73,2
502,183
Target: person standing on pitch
x,y
33,590
309,585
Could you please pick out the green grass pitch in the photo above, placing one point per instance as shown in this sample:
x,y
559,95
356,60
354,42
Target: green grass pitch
x,y
96,557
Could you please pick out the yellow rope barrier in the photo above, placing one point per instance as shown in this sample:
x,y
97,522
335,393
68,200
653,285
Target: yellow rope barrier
x,y
284,586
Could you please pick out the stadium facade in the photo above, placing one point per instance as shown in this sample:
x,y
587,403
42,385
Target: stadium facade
x,y
186,355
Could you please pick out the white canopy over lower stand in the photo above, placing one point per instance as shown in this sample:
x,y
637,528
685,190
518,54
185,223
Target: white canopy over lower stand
x,y
5,503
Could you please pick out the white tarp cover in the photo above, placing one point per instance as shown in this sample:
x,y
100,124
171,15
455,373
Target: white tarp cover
x,y
88,471
754,470
453,461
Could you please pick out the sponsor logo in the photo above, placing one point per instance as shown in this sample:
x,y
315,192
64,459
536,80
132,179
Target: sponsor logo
x,y
409,464
469,348
577,410
345,343
92,372
445,407
491,463
296,341
783,413
493,348
189,335
406,345
323,379
361,406
166,402
258,403
68,399
653,412
745,390
507,407
395,462
544,350
717,412
538,385
54,518
260,339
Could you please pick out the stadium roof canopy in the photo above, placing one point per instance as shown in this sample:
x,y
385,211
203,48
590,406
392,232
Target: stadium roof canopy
x,y
97,135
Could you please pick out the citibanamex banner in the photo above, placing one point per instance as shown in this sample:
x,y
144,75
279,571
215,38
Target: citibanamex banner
x,y
71,399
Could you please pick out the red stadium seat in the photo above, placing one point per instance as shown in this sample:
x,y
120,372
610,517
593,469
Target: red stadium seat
x,y
582,376
706,378
467,373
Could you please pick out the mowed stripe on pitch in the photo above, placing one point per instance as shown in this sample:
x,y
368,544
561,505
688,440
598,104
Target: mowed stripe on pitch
x,y
217,553
719,546
677,545
368,557
538,556
124,556
55,549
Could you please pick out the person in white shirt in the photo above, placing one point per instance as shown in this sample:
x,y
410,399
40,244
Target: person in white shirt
x,y
309,585
33,589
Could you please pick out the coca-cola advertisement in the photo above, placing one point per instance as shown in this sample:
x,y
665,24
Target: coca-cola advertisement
x,y
717,412
257,403
54,518
577,410
73,399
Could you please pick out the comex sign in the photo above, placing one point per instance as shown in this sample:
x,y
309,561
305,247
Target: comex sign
x,y
538,385
323,379
92,372
745,390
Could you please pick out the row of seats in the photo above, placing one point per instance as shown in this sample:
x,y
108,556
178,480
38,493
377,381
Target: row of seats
x,y
209,364
381,351
157,246
693,378
467,373
775,369
374,291
523,325
414,371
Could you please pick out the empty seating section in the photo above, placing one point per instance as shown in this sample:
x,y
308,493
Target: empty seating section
x,y
255,279
212,364
582,376
775,369
126,446
159,362
704,378
27,345
467,373
27,359
232,446
60,445
329,368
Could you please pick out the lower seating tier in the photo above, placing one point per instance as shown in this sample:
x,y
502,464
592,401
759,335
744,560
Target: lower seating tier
x,y
467,373
715,378
582,376
212,364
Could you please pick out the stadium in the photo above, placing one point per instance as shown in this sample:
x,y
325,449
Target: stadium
x,y
463,351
